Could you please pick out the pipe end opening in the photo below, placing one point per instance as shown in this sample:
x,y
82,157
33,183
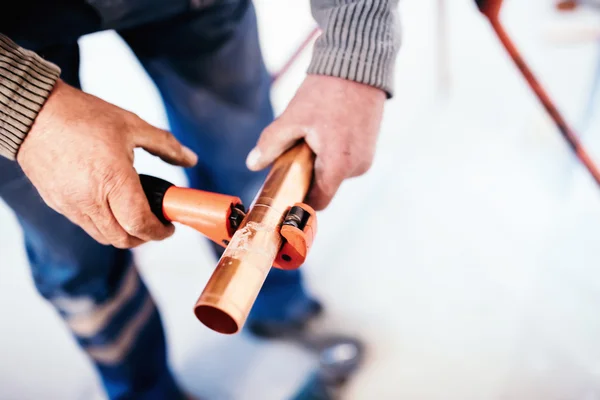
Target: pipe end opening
x,y
216,319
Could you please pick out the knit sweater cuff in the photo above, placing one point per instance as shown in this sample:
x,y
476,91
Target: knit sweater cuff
x,y
26,81
360,41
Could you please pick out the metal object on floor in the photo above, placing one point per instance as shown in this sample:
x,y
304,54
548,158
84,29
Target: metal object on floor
x,y
491,9
316,388
339,358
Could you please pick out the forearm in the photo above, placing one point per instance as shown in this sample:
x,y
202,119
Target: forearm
x,y
360,41
26,81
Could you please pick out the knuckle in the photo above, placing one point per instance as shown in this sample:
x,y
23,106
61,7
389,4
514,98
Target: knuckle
x,y
90,206
122,241
272,133
101,240
97,237
175,152
54,204
169,141
141,225
167,137
112,183
131,118
136,228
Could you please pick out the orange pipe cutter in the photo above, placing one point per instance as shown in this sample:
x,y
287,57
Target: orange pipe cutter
x,y
277,231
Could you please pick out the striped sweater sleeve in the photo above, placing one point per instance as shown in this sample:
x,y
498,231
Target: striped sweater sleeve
x,y
359,41
26,81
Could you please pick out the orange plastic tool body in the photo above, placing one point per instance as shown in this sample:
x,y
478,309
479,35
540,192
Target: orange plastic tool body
x,y
211,214
297,238
208,213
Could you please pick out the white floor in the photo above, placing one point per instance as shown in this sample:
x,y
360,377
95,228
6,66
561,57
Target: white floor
x,y
468,258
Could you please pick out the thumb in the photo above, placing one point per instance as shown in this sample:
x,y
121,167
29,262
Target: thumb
x,y
273,142
163,144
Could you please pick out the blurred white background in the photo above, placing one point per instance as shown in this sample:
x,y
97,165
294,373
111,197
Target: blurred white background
x,y
467,258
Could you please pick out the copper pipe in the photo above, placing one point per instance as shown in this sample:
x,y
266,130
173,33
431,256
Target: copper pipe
x,y
232,289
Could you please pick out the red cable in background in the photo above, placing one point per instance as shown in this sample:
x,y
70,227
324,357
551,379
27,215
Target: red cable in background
x,y
313,34
491,9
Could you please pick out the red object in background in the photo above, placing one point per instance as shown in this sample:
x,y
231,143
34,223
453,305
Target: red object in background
x,y
312,35
491,9
567,5
570,5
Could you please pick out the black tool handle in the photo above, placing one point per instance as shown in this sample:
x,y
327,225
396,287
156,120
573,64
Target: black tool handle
x,y
155,190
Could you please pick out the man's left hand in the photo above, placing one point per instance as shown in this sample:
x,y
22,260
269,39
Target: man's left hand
x,y
339,119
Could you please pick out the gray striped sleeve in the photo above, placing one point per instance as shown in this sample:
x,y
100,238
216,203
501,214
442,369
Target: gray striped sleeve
x,y
360,41
26,81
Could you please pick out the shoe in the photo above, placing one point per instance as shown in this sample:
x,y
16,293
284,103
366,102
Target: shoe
x,y
317,388
339,357
305,312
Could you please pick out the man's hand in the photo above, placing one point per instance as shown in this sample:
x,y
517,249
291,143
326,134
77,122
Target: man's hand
x,y
79,156
339,119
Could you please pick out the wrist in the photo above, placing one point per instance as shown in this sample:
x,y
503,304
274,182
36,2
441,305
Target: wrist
x,y
44,119
342,92
26,83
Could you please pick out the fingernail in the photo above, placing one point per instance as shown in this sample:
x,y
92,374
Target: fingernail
x,y
190,155
253,158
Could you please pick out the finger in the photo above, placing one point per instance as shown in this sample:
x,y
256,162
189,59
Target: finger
x,y
130,208
273,142
163,144
115,235
88,225
327,181
85,222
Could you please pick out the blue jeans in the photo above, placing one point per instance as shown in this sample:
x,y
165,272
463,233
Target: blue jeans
x,y
206,62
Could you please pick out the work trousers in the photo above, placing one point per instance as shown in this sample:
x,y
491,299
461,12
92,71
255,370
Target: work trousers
x,y
205,59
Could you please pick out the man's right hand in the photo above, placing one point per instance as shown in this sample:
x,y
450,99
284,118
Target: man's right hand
x,y
79,156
